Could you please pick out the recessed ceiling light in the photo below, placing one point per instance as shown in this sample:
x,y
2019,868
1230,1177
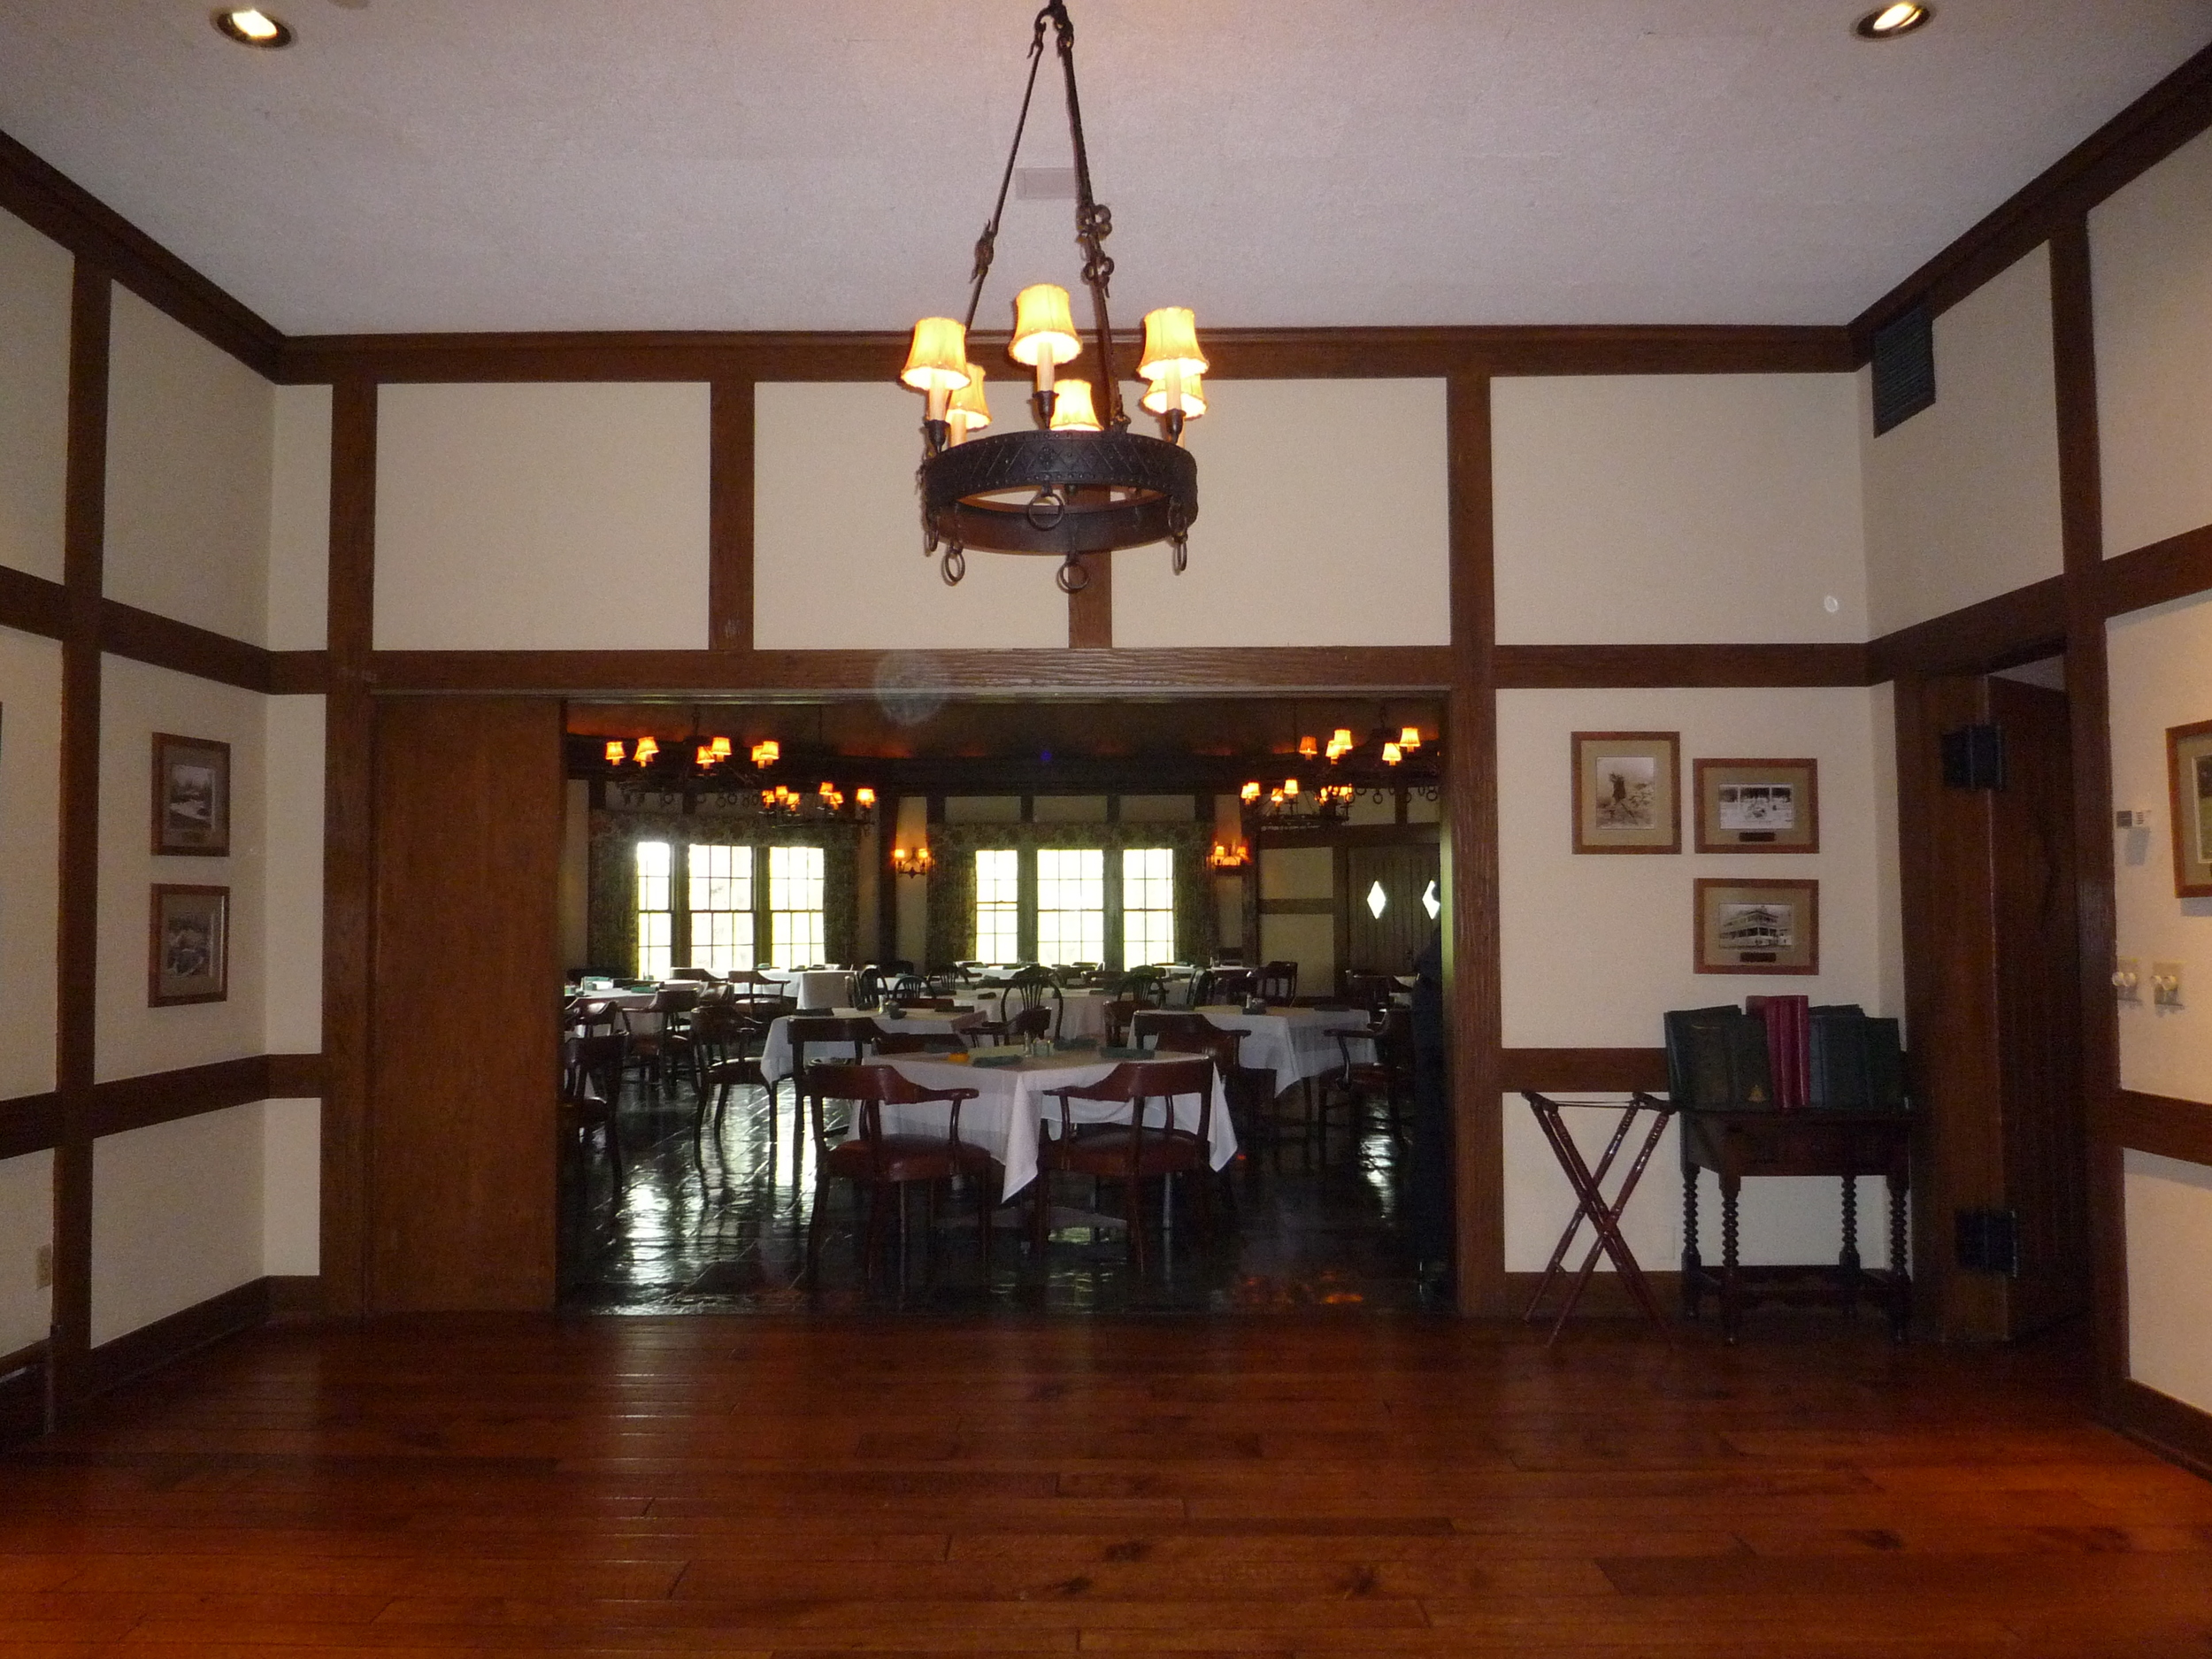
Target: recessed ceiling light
x,y
1892,21
252,27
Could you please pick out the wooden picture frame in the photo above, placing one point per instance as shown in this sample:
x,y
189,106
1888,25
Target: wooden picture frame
x,y
1628,791
2189,796
1749,925
188,947
191,796
1758,806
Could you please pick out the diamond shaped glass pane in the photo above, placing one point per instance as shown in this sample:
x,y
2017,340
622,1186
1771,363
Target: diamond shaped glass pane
x,y
1430,903
1377,899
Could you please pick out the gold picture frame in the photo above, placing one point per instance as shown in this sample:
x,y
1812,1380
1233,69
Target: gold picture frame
x,y
1749,925
2189,791
1758,806
1628,791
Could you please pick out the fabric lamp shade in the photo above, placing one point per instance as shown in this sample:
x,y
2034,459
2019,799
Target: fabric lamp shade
x,y
969,401
1044,328
1170,342
938,361
1189,396
1071,411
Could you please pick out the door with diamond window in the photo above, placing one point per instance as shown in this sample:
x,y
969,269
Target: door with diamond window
x,y
1388,895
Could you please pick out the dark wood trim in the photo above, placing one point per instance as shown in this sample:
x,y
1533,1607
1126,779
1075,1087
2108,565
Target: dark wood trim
x,y
730,518
1563,667
1301,907
160,1097
1270,835
23,1395
165,642
2011,628
2179,1432
349,795
1235,354
1035,673
2131,143
39,195
2081,519
77,946
295,1297
29,1123
2157,1124
2179,567
126,1358
1585,1071
299,674
295,1076
1091,610
1473,984
31,604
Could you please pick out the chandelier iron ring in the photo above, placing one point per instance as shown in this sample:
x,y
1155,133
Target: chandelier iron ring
x,y
1118,489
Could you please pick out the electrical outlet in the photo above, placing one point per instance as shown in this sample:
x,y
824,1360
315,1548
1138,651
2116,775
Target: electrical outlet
x,y
43,1267
2166,983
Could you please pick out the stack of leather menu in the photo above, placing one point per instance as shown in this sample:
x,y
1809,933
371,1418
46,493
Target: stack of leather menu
x,y
1833,1057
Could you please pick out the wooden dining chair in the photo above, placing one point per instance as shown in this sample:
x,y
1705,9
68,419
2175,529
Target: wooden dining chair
x,y
881,1165
1118,1013
1133,1149
662,1048
1388,1077
1246,1092
1278,983
591,1092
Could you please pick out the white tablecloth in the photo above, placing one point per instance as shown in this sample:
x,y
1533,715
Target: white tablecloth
x,y
1083,1013
1009,1110
812,987
775,1052
1293,1043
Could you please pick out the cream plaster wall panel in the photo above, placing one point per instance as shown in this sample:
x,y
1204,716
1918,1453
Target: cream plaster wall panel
x,y
26,1223
1781,1219
542,517
2169,1210
1308,941
1070,809
1297,872
1962,498
1597,947
837,535
2151,249
981,809
191,434
1160,808
292,872
2160,675
1678,508
35,283
1267,565
30,855
299,520
176,1216
132,1038
291,1187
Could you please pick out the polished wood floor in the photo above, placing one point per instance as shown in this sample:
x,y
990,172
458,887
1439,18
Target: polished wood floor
x,y
1307,1484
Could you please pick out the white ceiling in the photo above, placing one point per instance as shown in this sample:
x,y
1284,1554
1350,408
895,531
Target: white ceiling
x,y
826,164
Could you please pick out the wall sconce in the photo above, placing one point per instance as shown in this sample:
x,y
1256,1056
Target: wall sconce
x,y
911,860
1225,858
865,798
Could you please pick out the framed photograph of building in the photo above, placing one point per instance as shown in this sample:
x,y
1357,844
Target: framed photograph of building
x,y
2189,783
1753,926
1758,806
191,796
1628,791
188,947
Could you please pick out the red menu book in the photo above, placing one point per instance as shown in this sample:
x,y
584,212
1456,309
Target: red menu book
x,y
1789,1047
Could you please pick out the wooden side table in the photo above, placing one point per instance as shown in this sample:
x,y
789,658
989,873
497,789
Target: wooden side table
x,y
1736,1142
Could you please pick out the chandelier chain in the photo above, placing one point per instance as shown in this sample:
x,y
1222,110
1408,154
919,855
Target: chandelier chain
x,y
1093,223
986,245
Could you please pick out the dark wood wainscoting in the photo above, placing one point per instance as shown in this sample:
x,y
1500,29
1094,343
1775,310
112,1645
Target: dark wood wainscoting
x,y
467,961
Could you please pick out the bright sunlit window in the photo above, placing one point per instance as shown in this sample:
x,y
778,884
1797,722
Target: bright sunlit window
x,y
1071,904
795,905
721,907
1148,906
998,909
655,918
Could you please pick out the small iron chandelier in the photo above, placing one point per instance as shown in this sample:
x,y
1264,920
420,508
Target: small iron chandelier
x,y
1080,481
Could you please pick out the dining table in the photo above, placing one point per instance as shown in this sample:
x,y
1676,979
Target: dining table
x,y
1296,1044
1011,1115
775,1049
1082,1013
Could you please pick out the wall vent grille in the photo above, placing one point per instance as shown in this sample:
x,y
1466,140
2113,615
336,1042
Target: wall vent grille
x,y
1904,369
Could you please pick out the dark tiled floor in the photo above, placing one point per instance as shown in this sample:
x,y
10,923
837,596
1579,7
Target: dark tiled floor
x,y
723,1229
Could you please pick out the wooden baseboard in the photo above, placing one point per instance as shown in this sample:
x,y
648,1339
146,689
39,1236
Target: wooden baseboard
x,y
2179,1432
294,1298
150,1346
22,1395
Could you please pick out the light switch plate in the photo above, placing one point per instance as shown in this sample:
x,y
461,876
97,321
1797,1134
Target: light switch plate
x,y
2126,983
2166,983
42,1268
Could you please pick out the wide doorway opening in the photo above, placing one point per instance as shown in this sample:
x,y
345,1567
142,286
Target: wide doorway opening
x,y
1009,900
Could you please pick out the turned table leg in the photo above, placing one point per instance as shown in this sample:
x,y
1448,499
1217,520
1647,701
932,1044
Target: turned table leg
x,y
1848,1259
1900,1280
1693,1264
1730,1287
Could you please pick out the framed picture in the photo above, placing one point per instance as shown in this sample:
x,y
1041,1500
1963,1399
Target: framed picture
x,y
2189,781
191,796
188,954
1753,926
1628,791
1758,806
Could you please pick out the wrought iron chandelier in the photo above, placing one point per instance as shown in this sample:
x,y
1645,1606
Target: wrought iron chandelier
x,y
1079,482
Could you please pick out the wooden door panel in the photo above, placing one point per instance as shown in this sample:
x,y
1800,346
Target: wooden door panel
x,y
1387,943
467,962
